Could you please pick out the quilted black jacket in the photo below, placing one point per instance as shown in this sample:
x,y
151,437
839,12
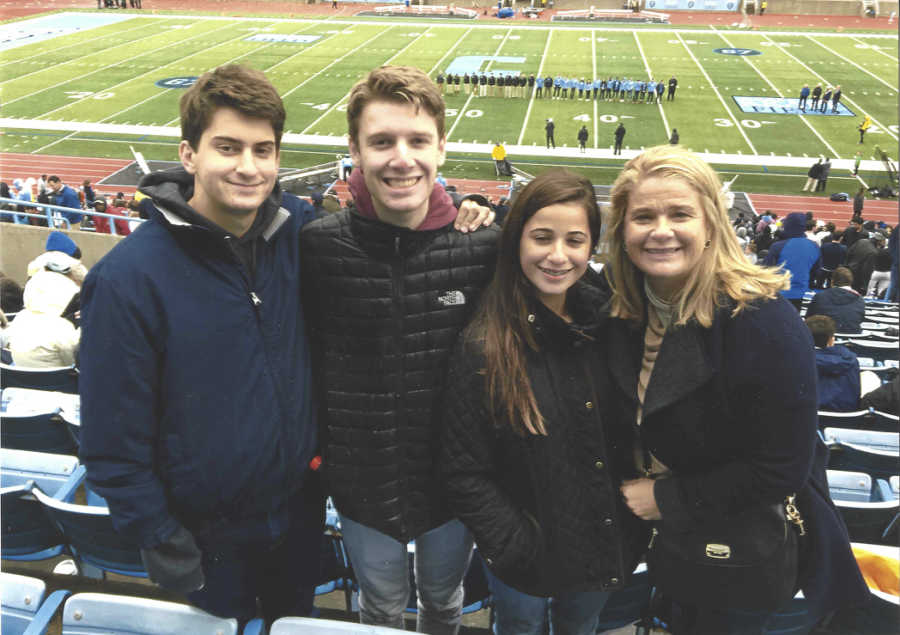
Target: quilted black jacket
x,y
545,510
386,305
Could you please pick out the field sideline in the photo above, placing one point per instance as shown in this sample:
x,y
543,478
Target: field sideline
x,y
107,76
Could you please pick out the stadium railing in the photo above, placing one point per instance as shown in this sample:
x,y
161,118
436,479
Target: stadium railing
x,y
56,220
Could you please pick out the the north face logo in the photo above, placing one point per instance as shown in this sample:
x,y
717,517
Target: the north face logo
x,y
452,298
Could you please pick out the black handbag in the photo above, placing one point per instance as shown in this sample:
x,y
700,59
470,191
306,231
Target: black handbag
x,y
746,561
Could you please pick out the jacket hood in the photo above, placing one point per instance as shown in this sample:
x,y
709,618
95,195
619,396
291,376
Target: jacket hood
x,y
835,361
441,211
794,226
173,188
48,293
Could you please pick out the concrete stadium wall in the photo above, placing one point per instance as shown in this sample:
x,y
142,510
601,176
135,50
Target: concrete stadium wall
x,y
20,244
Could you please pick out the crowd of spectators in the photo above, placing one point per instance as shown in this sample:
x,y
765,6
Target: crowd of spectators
x,y
51,190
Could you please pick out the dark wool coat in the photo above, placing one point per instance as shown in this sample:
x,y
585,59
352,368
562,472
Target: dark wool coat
x,y
545,510
732,411
386,305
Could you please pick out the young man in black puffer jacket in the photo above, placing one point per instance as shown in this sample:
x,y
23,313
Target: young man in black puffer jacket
x,y
391,285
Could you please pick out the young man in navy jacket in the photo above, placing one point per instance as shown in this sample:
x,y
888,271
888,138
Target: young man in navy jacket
x,y
197,410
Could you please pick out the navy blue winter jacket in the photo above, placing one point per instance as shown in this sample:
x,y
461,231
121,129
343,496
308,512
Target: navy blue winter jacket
x,y
196,399
844,306
838,379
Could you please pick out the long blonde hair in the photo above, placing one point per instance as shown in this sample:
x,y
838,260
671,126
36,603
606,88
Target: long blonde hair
x,y
723,273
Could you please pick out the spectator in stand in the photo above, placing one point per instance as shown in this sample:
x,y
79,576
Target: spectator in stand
x,y
853,232
88,194
11,300
501,210
65,196
837,368
880,280
764,240
45,332
834,254
884,399
796,254
101,223
861,260
42,185
840,302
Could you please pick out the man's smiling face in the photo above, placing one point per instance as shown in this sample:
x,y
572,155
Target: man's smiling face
x,y
399,151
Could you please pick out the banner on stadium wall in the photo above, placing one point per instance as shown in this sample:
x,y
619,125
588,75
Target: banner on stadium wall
x,y
691,5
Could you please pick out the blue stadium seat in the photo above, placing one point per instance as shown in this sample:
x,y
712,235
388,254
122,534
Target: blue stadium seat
x,y
28,534
89,534
870,419
870,512
874,453
22,604
310,626
38,433
63,379
103,614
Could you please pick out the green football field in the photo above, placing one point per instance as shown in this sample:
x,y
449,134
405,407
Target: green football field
x,y
112,74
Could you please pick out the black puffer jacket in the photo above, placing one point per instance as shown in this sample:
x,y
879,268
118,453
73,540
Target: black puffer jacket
x,y
386,305
545,510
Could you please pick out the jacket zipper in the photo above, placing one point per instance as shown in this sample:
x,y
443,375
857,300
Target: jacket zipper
x,y
399,401
653,534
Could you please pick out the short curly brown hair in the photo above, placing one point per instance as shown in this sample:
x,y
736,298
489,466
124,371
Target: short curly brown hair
x,y
236,86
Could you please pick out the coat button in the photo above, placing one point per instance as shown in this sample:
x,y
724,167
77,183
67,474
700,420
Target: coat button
x,y
599,465
608,522
489,560
531,318
614,580
589,405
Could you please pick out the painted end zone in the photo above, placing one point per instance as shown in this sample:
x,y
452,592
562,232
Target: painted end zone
x,y
51,26
787,106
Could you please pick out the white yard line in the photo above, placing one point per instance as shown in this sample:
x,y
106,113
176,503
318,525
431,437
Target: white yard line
x,y
803,118
877,50
155,71
45,52
540,73
849,61
116,63
825,81
341,100
718,94
452,48
650,76
462,110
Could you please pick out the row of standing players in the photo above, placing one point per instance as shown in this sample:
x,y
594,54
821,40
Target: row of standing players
x,y
832,95
559,87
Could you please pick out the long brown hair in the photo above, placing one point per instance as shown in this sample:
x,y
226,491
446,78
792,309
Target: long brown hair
x,y
723,271
501,322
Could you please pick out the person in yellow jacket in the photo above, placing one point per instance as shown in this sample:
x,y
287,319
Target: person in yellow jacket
x,y
865,125
498,154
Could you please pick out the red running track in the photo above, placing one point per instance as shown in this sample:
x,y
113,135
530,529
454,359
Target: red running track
x,y
71,170
837,212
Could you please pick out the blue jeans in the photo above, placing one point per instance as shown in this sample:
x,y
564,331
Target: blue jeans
x,y
517,613
381,565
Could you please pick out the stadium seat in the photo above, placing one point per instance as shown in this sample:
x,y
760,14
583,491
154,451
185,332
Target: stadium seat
x,y
22,604
310,626
894,484
870,419
879,614
849,486
28,534
877,349
63,379
103,614
95,545
868,439
47,432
